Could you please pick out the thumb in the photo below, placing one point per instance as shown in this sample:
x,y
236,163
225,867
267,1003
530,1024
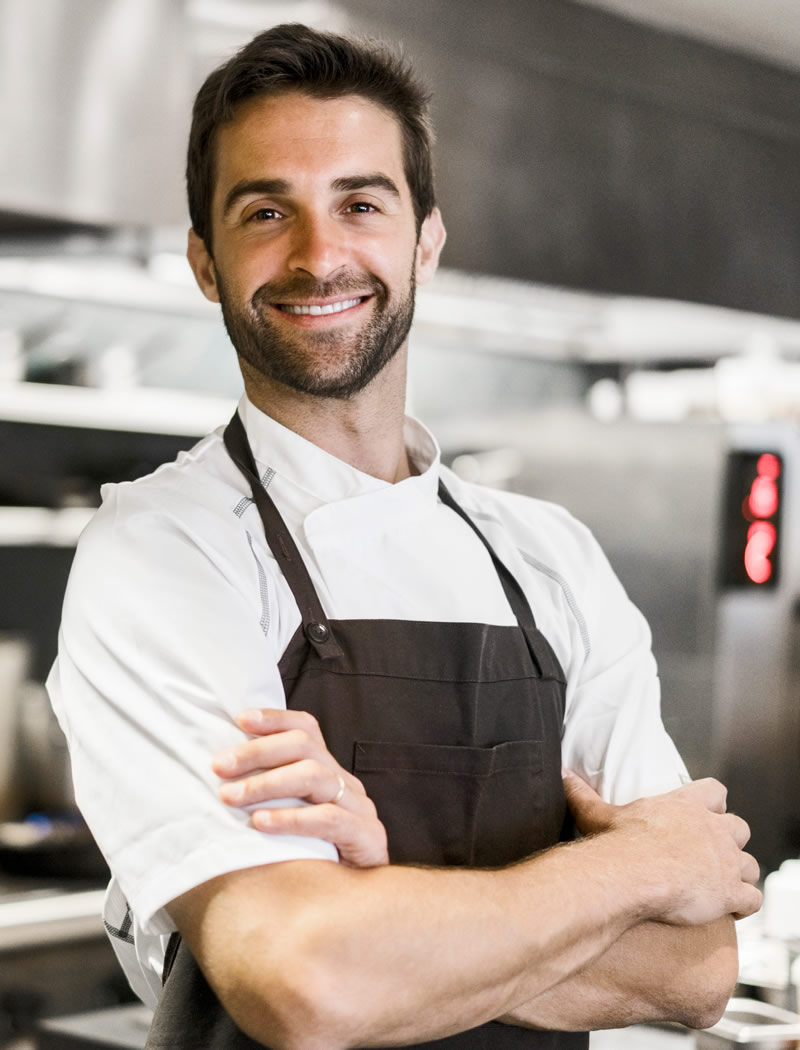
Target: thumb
x,y
590,812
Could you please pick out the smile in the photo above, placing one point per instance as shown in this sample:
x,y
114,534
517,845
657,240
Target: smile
x,y
317,311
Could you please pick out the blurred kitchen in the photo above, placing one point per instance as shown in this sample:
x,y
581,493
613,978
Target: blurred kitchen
x,y
616,328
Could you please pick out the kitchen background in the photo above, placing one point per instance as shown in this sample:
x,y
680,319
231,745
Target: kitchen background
x,y
616,327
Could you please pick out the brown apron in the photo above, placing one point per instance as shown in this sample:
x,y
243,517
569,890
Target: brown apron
x,y
454,730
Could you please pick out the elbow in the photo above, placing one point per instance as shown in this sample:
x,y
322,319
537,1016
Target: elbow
x,y
704,1015
712,995
296,1009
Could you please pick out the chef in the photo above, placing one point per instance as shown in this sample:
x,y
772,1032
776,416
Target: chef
x,y
319,692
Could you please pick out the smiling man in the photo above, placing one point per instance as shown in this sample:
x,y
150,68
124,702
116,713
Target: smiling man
x,y
319,691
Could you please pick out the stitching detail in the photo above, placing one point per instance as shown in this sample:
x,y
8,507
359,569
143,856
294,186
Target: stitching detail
x,y
265,618
570,597
416,678
123,931
245,501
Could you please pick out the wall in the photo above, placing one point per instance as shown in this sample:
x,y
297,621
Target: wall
x,y
579,149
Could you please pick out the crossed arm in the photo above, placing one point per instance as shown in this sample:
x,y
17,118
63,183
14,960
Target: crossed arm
x,y
632,923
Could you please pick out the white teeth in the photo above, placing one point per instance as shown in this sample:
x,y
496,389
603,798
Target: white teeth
x,y
316,311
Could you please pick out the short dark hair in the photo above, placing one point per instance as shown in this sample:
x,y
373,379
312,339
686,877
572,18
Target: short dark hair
x,y
323,65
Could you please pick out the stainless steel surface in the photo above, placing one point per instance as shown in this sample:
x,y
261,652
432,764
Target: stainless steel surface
x,y
751,1025
121,1026
642,1037
49,916
14,662
756,727
78,86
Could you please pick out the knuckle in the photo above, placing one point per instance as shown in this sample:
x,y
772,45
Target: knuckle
x,y
307,722
309,770
301,742
285,819
331,820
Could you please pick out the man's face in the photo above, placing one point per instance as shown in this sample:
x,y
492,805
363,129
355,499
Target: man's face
x,y
315,246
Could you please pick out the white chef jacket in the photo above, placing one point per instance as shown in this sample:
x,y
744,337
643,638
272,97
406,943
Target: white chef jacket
x,y
176,615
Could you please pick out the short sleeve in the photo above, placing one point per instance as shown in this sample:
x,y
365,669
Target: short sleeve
x,y
163,640
613,732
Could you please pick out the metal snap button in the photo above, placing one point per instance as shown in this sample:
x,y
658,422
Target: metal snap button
x,y
317,632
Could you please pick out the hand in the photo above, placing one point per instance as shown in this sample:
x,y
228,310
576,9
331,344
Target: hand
x,y
288,758
684,845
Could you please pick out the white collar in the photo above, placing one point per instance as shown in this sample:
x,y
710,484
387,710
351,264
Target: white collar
x,y
324,476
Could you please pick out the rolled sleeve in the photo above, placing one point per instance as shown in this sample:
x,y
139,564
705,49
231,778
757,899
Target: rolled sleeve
x,y
153,666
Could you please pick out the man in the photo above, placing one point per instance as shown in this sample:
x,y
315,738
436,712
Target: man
x,y
295,646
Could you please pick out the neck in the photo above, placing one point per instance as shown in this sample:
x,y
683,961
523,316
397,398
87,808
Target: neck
x,y
365,431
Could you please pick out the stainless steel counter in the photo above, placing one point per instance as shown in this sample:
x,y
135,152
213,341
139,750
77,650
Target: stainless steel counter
x,y
55,957
49,915
643,1037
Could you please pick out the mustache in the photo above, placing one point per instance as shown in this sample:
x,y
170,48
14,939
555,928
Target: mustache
x,y
301,287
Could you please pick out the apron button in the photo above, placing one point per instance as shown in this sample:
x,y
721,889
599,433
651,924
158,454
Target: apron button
x,y
317,632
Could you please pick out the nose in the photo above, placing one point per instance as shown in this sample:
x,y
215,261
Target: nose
x,y
318,246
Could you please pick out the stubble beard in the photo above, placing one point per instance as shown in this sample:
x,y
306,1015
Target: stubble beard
x,y
334,364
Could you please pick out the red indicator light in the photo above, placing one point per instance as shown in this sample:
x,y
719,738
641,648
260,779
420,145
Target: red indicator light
x,y
750,548
763,499
768,466
761,538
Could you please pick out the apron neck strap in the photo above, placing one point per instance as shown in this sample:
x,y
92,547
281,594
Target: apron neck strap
x,y
514,593
541,654
316,626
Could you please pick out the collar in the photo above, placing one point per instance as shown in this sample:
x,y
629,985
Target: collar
x,y
326,478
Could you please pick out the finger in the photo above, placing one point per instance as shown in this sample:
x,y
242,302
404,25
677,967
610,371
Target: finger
x,y
267,752
591,813
750,871
307,779
264,720
707,792
738,829
749,903
361,842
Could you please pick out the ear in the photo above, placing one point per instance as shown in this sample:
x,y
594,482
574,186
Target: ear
x,y
429,246
202,267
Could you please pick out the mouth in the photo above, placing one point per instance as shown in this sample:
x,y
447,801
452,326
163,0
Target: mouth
x,y
321,309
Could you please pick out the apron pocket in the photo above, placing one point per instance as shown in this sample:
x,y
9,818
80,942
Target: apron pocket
x,y
456,806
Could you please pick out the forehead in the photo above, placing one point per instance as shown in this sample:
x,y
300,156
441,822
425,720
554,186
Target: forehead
x,y
296,137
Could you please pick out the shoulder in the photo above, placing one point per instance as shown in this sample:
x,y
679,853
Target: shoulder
x,y
175,534
194,498
547,536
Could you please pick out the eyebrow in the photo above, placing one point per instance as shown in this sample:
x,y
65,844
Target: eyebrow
x,y
375,180
278,187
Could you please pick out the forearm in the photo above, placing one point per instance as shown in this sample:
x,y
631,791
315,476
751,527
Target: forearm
x,y
317,956
653,972
394,955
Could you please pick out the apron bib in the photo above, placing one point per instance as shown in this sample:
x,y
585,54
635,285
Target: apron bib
x,y
454,730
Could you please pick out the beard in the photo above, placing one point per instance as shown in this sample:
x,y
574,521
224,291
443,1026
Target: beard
x,y
333,364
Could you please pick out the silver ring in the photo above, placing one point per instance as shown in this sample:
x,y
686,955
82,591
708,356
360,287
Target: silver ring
x,y
338,796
